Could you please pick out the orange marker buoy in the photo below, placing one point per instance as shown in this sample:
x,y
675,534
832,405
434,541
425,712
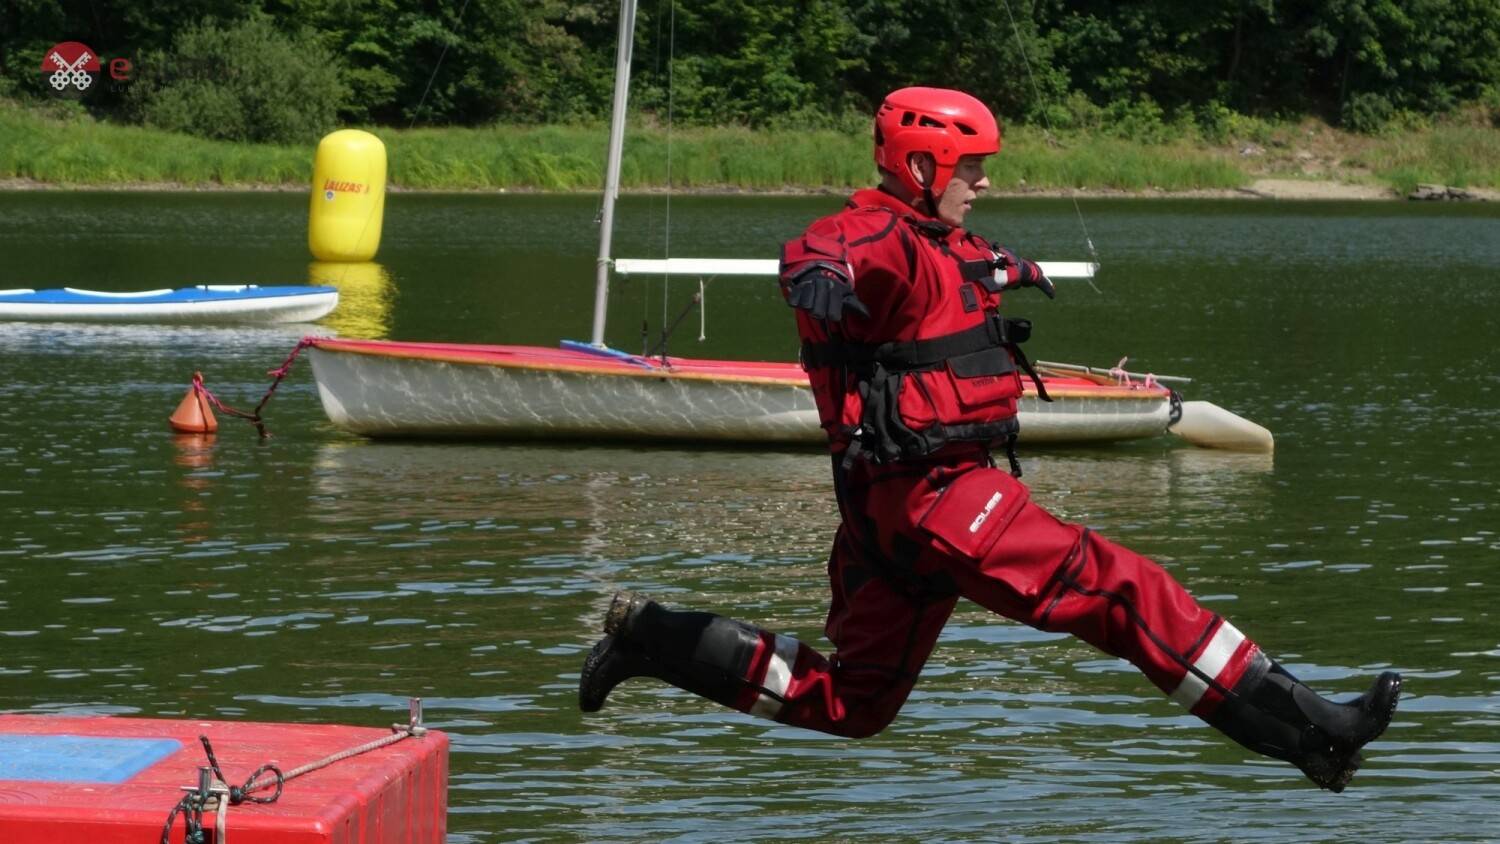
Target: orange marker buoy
x,y
193,415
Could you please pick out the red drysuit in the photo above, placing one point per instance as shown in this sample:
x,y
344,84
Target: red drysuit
x,y
916,377
926,516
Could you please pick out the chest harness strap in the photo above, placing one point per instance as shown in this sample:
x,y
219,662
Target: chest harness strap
x,y
980,350
990,348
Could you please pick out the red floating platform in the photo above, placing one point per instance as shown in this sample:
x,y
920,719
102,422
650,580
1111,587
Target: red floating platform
x,y
115,781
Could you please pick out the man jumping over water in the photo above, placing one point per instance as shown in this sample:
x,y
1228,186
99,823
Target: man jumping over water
x,y
916,377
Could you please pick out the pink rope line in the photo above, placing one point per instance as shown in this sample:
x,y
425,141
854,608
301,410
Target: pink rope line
x,y
278,374
1118,372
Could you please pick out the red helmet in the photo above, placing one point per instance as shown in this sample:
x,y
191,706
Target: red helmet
x,y
941,121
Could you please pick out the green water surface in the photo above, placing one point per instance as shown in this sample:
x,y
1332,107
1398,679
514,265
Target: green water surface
x,y
318,577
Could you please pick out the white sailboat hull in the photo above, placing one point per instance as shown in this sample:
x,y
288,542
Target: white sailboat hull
x,y
491,392
384,397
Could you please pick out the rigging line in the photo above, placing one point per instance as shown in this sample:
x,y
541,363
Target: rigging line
x,y
646,350
666,281
433,78
1036,92
696,301
671,122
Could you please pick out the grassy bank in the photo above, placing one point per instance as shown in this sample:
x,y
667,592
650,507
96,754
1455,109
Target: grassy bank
x,y
65,147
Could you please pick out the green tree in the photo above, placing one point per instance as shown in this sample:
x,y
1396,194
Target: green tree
x,y
245,81
756,62
506,61
998,53
1379,58
413,63
1131,66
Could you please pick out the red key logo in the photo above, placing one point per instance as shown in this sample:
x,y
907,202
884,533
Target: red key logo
x,y
70,68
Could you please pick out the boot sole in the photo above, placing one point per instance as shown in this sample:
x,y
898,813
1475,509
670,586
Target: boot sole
x,y
1390,707
591,699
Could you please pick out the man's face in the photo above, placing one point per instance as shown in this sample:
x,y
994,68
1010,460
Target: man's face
x,y
968,182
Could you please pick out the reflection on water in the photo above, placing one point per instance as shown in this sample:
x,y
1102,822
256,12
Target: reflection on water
x,y
217,341
367,298
621,502
626,503
314,576
195,454
1205,484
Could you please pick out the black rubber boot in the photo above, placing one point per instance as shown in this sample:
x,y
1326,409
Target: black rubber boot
x,y
610,663
1273,714
706,654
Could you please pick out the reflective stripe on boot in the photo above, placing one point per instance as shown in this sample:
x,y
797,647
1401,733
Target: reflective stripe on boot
x,y
1222,661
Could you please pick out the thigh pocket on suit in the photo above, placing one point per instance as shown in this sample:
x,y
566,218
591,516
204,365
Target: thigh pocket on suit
x,y
970,514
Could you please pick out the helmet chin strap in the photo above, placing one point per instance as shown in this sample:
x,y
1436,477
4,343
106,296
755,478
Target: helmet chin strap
x,y
932,208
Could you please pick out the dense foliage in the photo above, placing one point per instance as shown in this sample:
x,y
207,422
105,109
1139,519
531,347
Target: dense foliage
x,y
287,69
246,81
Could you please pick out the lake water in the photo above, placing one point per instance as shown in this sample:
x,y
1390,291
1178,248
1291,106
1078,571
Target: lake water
x,y
319,577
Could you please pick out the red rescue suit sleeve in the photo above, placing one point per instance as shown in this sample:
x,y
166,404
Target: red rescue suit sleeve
x,y
868,251
877,267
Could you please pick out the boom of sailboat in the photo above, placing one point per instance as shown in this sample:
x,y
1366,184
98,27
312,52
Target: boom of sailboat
x,y
770,267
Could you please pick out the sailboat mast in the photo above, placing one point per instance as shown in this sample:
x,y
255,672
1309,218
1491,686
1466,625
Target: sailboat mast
x,y
612,167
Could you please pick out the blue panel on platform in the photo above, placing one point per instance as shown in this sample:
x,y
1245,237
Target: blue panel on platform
x,y
80,758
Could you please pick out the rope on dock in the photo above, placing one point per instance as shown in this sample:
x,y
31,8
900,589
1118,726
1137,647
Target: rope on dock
x,y
217,797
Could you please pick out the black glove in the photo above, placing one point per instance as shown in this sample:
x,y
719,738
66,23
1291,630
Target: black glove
x,y
824,294
1020,272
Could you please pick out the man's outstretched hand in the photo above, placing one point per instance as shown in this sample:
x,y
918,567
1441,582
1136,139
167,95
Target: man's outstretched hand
x,y
1020,272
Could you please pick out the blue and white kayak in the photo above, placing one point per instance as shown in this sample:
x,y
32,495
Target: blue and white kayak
x,y
206,303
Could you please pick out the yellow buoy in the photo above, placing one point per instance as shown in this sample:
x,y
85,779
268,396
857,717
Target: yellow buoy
x,y
348,197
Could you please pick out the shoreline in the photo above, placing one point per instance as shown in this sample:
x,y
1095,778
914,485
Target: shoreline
x,y
1287,189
